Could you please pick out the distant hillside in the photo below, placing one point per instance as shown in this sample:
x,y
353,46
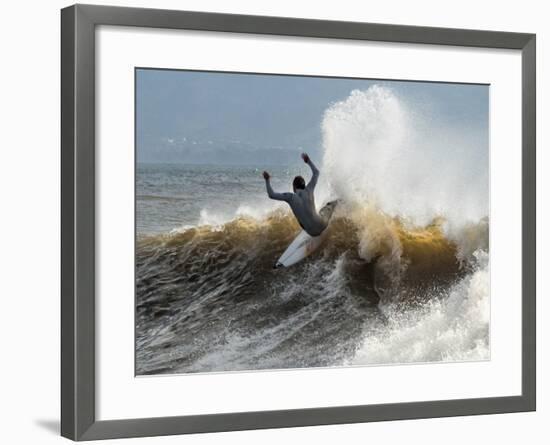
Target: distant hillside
x,y
215,153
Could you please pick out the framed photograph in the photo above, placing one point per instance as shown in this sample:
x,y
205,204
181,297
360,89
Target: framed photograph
x,y
272,222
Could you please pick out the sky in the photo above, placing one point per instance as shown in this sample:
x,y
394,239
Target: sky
x,y
234,118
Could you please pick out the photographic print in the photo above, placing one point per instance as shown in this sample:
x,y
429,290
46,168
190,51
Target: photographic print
x,y
287,221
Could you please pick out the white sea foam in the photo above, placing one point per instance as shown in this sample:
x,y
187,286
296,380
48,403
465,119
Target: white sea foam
x,y
450,327
378,148
217,219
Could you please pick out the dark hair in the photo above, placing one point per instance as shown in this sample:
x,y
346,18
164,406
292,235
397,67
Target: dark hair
x,y
299,183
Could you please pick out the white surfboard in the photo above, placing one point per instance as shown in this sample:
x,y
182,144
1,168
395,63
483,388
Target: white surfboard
x,y
305,244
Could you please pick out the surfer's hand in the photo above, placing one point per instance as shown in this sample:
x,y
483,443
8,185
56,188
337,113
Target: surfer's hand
x,y
305,157
266,175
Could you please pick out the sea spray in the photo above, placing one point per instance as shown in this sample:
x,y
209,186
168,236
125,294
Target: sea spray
x,y
378,148
453,325
415,189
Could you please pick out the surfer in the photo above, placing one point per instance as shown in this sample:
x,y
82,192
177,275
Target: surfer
x,y
302,201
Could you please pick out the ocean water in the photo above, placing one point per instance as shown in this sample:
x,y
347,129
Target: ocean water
x,y
403,276
172,196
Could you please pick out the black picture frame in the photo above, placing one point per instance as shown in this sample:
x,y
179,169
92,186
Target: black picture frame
x,y
78,23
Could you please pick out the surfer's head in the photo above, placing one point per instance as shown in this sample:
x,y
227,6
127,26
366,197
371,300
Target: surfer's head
x,y
298,183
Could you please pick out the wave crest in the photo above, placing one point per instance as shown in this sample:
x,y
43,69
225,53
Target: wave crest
x,y
380,149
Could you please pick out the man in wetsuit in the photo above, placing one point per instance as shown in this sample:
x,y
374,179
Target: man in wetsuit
x,y
302,201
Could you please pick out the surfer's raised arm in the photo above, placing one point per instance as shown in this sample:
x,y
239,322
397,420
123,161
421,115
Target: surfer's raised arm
x,y
272,194
313,181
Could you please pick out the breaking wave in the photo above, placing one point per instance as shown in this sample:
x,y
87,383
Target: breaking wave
x,y
403,275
